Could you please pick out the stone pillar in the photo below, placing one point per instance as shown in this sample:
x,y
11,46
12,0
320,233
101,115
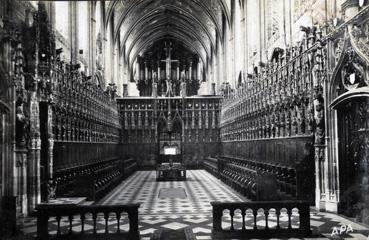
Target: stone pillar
x,y
125,90
138,70
50,153
152,71
73,31
190,71
184,70
146,72
20,179
213,89
92,39
33,161
158,71
178,74
154,89
199,77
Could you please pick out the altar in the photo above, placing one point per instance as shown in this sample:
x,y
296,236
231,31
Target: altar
x,y
171,172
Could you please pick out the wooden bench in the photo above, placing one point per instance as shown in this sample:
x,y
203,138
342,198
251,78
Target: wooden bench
x,y
66,179
242,175
98,183
80,214
130,166
242,179
252,230
211,165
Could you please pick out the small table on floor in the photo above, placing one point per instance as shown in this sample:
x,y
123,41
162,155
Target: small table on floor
x,y
168,172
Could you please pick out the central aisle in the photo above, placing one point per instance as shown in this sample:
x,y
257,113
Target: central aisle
x,y
175,204
172,197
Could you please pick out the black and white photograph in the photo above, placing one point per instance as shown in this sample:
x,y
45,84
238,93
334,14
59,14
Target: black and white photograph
x,y
184,119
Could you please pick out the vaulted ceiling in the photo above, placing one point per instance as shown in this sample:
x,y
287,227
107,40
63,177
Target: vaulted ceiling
x,y
197,24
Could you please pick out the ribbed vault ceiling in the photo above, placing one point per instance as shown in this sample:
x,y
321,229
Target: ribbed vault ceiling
x,y
138,24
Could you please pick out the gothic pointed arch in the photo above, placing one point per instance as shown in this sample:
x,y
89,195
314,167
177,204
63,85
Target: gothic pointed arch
x,y
350,76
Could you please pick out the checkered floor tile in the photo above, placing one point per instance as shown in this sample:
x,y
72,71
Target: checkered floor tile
x,y
193,211
201,188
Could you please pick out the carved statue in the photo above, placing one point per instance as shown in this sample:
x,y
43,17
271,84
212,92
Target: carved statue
x,y
51,189
183,75
183,89
154,77
169,91
154,89
99,64
21,126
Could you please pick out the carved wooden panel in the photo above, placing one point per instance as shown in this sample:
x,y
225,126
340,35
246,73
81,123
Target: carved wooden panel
x,y
140,118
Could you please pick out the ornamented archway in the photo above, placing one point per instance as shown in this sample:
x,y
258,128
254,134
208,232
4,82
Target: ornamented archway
x,y
353,152
349,94
170,132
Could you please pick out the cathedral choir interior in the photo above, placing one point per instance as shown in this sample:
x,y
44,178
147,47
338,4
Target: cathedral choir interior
x,y
184,119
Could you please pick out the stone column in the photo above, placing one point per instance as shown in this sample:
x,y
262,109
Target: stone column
x,y
33,161
125,90
184,70
178,74
73,31
152,71
138,70
213,89
20,179
50,153
158,71
146,72
91,36
190,71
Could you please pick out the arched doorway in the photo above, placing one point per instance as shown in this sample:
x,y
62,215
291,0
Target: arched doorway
x,y
350,91
353,153
170,140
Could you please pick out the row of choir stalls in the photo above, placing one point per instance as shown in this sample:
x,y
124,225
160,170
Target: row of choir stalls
x,y
142,120
66,124
292,114
275,116
166,66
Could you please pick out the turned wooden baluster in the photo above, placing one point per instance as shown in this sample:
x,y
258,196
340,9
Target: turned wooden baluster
x,y
289,213
266,214
278,213
106,217
255,213
117,214
70,218
94,217
58,218
231,213
83,217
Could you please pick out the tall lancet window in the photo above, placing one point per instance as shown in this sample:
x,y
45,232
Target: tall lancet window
x,y
83,28
98,36
62,18
274,20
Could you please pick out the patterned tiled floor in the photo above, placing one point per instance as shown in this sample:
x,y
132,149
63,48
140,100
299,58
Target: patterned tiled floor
x,y
188,205
201,188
